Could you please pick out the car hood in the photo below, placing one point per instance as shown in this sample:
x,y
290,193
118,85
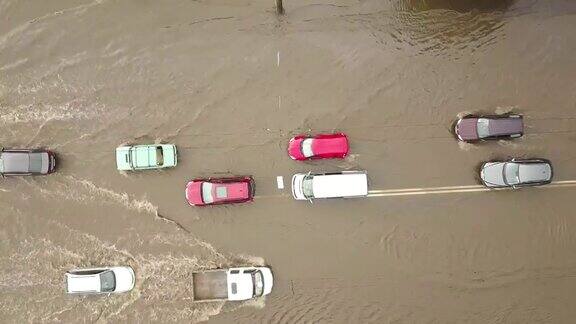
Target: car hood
x,y
125,278
169,152
231,191
467,129
295,148
297,186
194,193
492,174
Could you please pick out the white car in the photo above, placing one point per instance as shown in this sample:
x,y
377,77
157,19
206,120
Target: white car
x,y
100,280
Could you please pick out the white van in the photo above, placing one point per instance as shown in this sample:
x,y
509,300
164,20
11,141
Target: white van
x,y
345,184
100,280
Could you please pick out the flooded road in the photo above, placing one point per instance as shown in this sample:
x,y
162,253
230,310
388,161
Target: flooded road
x,y
229,83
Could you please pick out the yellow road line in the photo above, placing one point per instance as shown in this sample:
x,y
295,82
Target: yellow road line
x,y
425,192
425,189
453,189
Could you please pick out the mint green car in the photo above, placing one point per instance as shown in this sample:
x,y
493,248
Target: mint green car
x,y
146,157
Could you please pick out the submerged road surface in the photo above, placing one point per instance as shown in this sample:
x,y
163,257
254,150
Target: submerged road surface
x,y
229,83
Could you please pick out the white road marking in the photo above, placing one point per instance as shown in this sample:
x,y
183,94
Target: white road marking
x,y
280,182
426,189
278,58
454,189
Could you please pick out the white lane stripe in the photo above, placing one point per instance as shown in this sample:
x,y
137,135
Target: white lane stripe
x,y
563,182
454,189
425,189
427,192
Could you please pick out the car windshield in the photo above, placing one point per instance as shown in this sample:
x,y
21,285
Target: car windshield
x,y
159,156
258,283
511,173
483,128
307,186
307,147
128,156
207,193
107,281
35,162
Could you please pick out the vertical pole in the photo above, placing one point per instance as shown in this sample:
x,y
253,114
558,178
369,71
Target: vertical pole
x,y
279,7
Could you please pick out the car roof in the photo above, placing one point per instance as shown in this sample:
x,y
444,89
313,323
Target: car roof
x,y
333,144
504,126
340,185
15,161
231,191
145,155
83,283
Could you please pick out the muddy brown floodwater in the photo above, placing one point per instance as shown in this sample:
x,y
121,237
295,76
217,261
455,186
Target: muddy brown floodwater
x,y
229,83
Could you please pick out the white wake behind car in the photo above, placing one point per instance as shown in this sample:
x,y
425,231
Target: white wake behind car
x,y
104,280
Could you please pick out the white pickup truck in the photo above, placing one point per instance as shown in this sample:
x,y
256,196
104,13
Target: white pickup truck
x,y
232,284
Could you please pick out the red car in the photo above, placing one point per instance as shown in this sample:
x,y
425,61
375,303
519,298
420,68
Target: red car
x,y
202,192
323,146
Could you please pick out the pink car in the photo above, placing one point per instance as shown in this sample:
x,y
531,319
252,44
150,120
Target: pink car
x,y
202,192
323,146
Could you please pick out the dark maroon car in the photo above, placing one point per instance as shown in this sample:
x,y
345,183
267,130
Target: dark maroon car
x,y
476,128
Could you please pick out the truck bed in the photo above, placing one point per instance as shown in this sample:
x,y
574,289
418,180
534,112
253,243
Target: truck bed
x,y
210,285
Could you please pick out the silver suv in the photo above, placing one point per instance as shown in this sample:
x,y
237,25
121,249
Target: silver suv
x,y
14,162
516,173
